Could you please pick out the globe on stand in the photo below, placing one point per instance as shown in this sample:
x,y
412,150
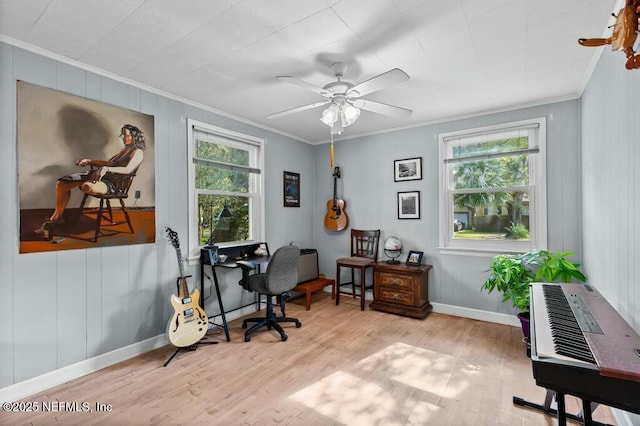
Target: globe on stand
x,y
393,249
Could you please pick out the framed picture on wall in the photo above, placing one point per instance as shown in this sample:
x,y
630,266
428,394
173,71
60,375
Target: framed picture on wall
x,y
407,169
409,205
291,189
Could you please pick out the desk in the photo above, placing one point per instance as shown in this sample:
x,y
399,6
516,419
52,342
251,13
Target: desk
x,y
244,252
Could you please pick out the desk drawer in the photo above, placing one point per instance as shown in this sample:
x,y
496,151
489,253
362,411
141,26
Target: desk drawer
x,y
396,281
395,296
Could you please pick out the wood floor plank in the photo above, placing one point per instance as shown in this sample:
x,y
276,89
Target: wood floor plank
x,y
344,366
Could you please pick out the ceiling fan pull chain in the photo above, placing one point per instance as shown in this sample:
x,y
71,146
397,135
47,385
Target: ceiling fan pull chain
x,y
331,151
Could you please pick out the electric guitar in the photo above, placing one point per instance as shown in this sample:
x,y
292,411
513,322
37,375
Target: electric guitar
x,y
189,322
336,218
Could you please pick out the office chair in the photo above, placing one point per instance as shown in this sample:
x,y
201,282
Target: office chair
x,y
121,184
280,277
364,254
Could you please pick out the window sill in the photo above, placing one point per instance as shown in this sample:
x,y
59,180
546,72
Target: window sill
x,y
460,251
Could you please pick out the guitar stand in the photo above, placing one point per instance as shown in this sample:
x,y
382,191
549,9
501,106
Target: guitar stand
x,y
584,417
190,347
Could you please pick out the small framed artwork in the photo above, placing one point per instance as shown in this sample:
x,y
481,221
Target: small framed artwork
x,y
409,205
291,188
414,258
407,169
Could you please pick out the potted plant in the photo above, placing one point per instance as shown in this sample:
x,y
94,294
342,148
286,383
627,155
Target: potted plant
x,y
512,274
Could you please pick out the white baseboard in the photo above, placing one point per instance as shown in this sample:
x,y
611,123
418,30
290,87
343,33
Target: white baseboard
x,y
48,380
476,314
53,378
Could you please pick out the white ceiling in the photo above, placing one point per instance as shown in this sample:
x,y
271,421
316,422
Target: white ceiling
x,y
464,57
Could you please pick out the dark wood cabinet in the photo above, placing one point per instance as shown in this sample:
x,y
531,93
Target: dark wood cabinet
x,y
401,289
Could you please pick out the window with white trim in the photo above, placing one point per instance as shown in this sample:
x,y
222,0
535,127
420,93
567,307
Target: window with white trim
x,y
493,188
226,205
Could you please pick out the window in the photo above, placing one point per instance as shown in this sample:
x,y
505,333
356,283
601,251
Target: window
x,y
493,188
225,176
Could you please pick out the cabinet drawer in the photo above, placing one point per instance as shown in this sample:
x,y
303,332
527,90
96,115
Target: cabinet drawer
x,y
393,296
396,281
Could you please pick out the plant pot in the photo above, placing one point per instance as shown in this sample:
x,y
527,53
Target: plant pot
x,y
524,322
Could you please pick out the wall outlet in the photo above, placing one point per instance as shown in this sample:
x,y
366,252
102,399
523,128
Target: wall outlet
x,y
137,194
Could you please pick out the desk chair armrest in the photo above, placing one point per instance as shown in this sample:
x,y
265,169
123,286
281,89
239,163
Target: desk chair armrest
x,y
246,266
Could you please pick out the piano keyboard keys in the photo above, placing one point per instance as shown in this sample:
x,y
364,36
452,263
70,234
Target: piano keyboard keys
x,y
567,336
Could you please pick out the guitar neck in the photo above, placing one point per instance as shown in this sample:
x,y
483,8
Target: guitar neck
x,y
183,289
180,261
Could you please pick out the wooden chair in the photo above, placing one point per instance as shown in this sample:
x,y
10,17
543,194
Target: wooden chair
x,y
364,253
121,184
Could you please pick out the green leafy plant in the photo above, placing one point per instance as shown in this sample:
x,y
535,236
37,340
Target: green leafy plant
x,y
518,231
512,274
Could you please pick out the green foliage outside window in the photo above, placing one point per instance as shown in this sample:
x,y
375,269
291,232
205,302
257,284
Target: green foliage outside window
x,y
220,186
493,172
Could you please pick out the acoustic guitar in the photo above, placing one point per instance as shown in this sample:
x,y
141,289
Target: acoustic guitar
x,y
336,218
189,322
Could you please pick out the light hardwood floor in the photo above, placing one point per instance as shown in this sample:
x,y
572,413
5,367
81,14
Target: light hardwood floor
x,y
344,366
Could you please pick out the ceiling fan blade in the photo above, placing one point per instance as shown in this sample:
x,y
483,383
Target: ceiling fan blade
x,y
380,108
378,82
304,84
297,109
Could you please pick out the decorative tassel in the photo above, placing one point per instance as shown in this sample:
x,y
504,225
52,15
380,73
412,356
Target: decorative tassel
x,y
331,150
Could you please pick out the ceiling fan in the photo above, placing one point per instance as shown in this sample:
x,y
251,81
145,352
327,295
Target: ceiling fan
x,y
345,98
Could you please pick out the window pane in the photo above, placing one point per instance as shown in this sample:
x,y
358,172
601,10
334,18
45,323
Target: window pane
x,y
491,216
221,179
223,153
491,173
490,147
211,220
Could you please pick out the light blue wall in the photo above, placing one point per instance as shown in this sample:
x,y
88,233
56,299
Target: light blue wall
x,y
611,183
60,308
370,192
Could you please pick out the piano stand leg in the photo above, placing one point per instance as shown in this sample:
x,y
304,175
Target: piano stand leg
x,y
586,412
584,417
562,414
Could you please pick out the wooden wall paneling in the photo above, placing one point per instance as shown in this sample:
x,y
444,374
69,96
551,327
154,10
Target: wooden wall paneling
x,y
94,302
71,300
93,85
35,315
70,79
610,195
114,92
115,297
168,131
564,150
33,68
143,295
134,95
634,229
8,214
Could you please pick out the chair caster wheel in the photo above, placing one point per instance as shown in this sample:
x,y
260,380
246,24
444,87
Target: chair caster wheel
x,y
247,338
244,325
298,324
284,337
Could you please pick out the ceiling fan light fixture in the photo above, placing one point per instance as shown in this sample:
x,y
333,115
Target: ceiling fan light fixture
x,y
330,114
339,116
351,113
